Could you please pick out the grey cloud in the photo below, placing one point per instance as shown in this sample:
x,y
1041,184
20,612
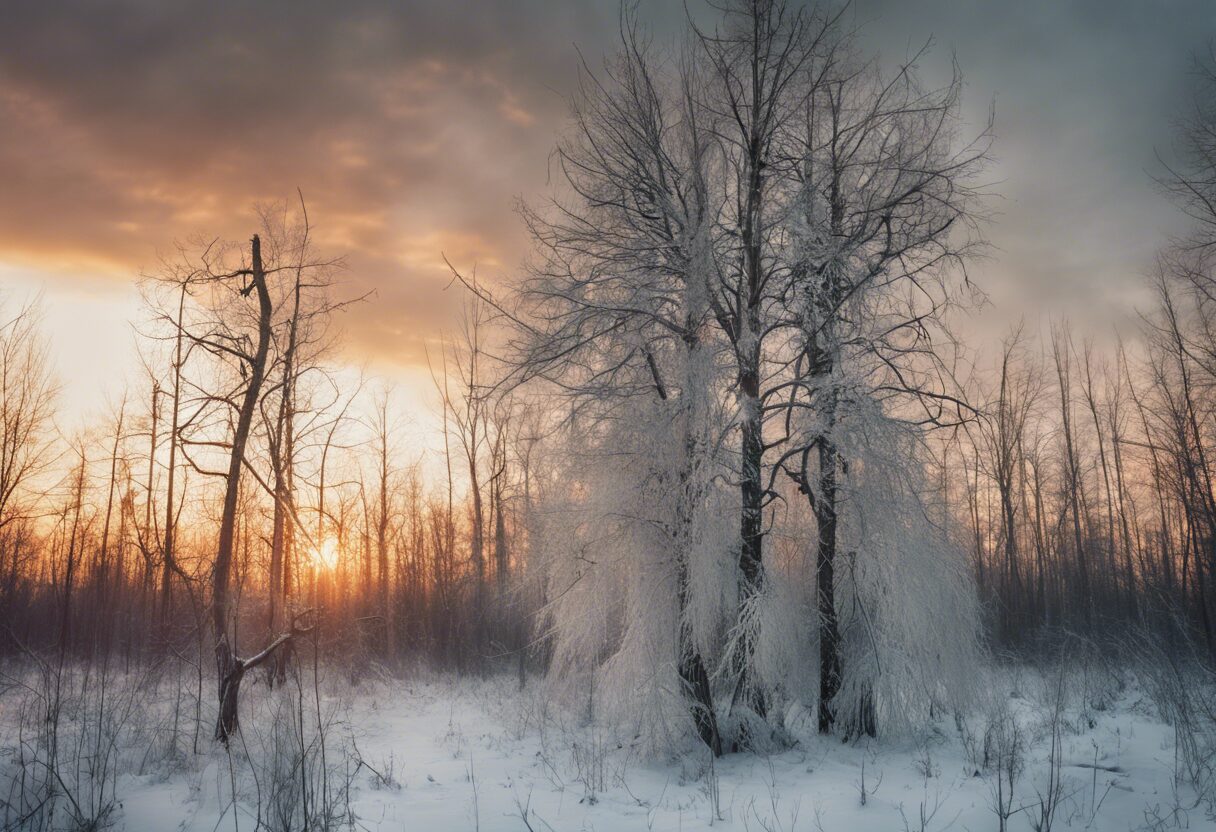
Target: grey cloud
x,y
413,126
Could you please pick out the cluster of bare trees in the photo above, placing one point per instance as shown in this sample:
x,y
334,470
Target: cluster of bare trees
x,y
1088,483
257,494
494,435
1052,481
718,462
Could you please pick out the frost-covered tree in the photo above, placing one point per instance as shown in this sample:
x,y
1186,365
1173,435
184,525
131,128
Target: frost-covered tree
x,y
752,260
906,610
615,314
755,63
882,220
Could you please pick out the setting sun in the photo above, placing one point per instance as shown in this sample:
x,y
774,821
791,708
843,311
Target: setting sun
x,y
326,554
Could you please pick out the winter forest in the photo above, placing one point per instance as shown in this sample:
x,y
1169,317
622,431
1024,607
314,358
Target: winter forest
x,y
732,508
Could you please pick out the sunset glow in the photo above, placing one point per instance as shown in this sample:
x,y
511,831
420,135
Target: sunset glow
x,y
716,415
326,554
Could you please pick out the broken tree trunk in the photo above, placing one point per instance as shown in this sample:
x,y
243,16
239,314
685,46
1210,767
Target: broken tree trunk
x,y
229,668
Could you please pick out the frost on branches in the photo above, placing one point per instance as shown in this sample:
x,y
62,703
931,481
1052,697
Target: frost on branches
x,y
735,310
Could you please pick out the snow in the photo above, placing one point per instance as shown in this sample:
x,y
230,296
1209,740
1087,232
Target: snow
x,y
482,755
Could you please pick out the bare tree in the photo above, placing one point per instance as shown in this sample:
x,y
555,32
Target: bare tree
x,y
27,396
877,210
1004,435
239,337
467,411
615,307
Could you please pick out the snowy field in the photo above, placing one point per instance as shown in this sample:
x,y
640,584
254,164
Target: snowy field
x,y
433,754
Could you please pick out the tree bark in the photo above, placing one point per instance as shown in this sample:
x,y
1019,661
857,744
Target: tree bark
x,y
168,565
231,669
825,583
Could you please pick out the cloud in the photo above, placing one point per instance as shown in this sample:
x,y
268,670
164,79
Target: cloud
x,y
412,127
1086,95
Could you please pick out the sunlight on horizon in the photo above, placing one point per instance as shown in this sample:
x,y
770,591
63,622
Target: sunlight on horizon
x,y
327,553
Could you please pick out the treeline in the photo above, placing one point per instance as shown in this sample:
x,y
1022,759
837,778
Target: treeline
x,y
1086,485
108,535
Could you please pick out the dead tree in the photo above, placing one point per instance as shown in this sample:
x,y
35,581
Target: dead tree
x,y
1003,436
168,547
27,395
383,520
229,667
103,578
466,409
239,336
1073,483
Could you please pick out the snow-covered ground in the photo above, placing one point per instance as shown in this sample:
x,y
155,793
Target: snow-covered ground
x,y
434,754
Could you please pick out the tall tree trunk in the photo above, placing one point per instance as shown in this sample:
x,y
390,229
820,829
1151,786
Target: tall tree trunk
x,y
103,577
144,537
1062,347
825,585
501,555
382,521
691,665
69,574
478,549
169,564
282,532
751,533
229,668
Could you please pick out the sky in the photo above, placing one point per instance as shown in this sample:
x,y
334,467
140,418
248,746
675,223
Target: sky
x,y
413,129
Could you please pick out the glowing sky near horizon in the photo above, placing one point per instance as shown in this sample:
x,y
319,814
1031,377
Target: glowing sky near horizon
x,y
412,128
